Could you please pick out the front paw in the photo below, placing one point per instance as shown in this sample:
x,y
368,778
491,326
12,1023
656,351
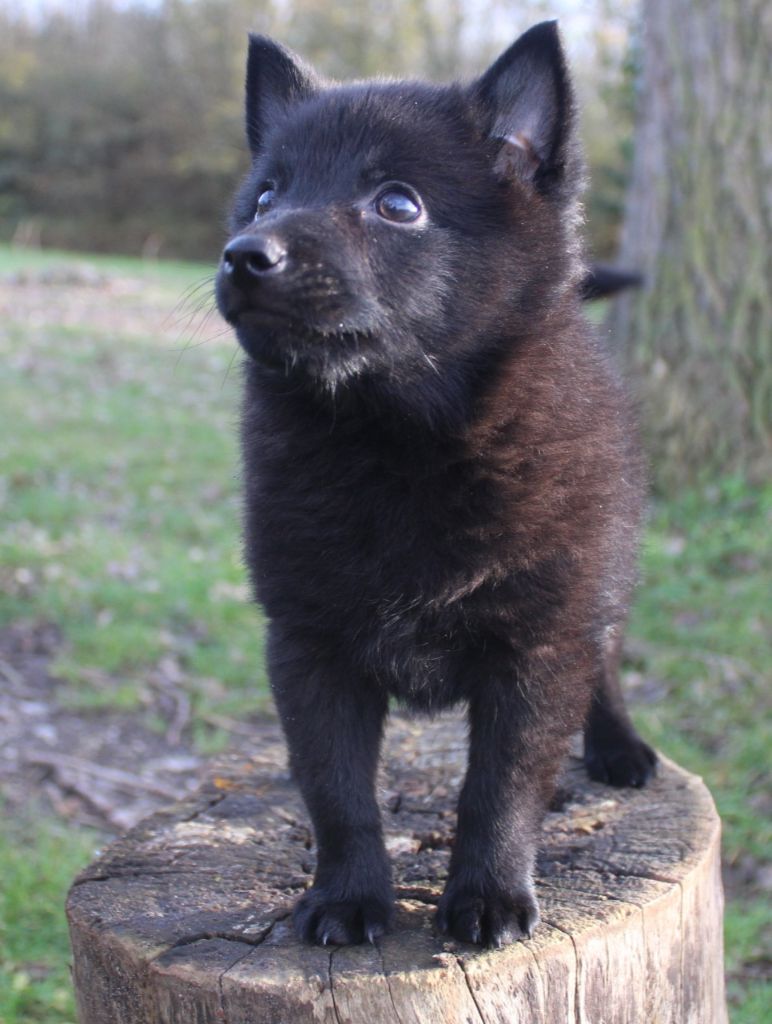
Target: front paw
x,y
323,917
624,761
487,915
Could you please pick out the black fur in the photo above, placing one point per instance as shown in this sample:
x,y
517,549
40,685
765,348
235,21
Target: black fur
x,y
443,490
602,281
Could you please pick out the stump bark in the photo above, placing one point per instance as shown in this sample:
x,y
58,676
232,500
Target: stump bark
x,y
187,918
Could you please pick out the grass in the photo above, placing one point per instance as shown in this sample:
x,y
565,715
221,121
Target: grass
x,y
121,506
173,272
700,641
702,620
120,521
37,864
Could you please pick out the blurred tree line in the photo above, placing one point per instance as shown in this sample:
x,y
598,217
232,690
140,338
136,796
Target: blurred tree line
x,y
121,120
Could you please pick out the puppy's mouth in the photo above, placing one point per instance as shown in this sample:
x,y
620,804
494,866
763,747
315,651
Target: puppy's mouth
x,y
262,316
287,344
290,305
306,323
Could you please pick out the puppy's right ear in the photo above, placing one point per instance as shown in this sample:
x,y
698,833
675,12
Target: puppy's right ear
x,y
276,78
527,100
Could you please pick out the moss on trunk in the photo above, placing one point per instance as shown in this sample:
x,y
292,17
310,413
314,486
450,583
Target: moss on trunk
x,y
698,338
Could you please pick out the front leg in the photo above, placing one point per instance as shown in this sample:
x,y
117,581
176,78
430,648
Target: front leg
x,y
515,749
333,724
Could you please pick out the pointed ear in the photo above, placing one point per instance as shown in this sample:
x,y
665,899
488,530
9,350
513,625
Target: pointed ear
x,y
527,101
275,78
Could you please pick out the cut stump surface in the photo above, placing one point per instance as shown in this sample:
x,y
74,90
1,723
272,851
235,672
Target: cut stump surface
x,y
186,919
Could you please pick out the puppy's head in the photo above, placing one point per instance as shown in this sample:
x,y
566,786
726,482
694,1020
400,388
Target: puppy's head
x,y
393,230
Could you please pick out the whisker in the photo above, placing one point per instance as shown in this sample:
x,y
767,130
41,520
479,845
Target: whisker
x,y
227,372
188,295
192,344
184,320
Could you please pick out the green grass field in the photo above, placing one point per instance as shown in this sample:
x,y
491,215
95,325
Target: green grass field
x,y
121,495
120,523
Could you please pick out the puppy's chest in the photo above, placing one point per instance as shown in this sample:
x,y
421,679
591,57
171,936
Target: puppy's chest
x,y
418,572
358,531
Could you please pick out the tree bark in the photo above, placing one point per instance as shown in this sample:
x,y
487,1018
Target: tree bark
x,y
187,918
699,225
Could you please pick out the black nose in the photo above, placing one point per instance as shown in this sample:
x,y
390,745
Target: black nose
x,y
252,256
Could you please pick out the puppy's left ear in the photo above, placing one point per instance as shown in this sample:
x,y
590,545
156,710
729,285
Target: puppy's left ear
x,y
527,103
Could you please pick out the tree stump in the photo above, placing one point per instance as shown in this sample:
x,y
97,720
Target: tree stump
x,y
187,918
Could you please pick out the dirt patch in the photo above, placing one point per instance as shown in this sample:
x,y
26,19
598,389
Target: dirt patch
x,y
102,768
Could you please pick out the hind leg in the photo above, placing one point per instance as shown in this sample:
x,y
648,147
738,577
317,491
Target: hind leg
x,y
614,753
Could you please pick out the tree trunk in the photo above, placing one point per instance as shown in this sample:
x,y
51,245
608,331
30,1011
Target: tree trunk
x,y
698,338
186,919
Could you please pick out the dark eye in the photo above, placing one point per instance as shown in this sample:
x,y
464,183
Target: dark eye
x,y
265,201
397,205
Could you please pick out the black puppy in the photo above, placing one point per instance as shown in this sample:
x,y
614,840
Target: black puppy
x,y
443,492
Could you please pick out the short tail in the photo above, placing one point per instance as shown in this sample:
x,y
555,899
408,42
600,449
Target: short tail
x,y
601,281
